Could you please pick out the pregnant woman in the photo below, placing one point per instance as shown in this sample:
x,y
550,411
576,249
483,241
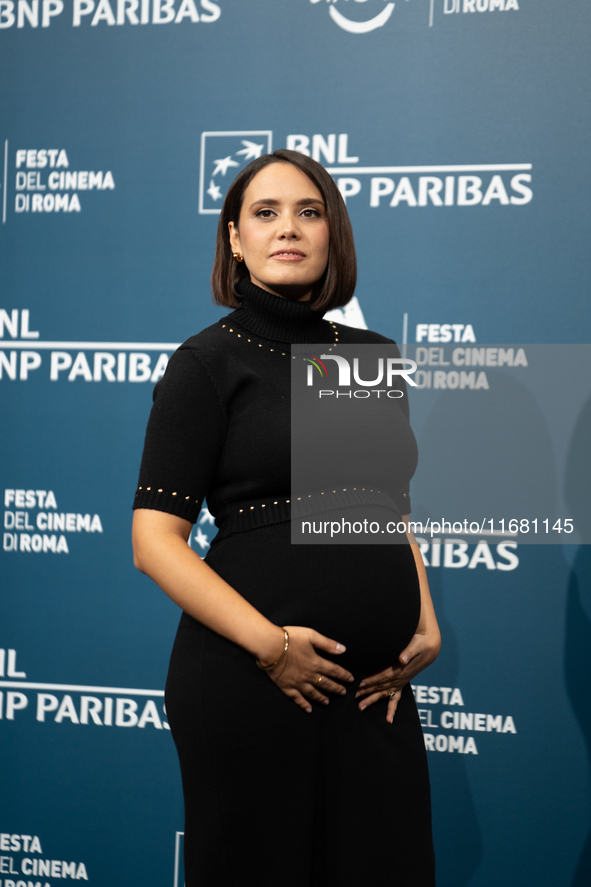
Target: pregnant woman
x,y
288,692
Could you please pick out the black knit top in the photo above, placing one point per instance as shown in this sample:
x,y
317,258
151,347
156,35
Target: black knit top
x,y
220,424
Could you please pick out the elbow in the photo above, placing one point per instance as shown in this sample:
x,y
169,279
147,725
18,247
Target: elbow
x,y
141,543
436,648
155,536
137,560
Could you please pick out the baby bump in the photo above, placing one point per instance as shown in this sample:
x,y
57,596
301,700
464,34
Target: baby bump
x,y
366,597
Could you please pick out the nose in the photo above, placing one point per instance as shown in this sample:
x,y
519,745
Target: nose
x,y
289,228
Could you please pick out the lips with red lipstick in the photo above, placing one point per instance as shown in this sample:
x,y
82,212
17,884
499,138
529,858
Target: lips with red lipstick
x,y
288,255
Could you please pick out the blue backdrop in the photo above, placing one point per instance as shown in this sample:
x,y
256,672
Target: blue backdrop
x,y
458,131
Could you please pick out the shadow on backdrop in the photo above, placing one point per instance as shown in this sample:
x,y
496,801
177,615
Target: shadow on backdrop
x,y
456,830
485,453
577,651
491,447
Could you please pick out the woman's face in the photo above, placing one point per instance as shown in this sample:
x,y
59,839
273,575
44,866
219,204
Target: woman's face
x,y
283,232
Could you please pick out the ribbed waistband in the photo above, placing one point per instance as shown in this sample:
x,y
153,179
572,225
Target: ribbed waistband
x,y
256,513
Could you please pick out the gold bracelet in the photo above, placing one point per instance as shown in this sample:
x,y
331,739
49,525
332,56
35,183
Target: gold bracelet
x,y
277,661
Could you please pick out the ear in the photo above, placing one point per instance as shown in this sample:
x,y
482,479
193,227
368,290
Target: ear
x,y
234,237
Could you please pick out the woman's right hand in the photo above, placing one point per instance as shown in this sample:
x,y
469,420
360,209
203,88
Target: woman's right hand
x,y
299,671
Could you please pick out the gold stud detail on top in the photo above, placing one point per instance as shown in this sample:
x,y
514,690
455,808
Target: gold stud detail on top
x,y
336,335
284,353
299,498
263,505
161,490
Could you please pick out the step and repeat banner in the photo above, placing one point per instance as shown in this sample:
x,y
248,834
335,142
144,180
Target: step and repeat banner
x,y
458,132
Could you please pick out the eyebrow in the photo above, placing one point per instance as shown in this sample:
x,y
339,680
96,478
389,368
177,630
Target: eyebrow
x,y
271,202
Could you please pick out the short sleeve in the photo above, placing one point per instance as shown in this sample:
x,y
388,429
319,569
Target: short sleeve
x,y
402,502
184,438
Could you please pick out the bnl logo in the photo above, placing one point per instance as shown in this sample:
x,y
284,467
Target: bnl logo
x,y
223,156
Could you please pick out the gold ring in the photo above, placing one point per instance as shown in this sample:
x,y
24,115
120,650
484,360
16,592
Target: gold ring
x,y
319,681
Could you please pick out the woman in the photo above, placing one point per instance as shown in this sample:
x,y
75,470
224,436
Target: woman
x,y
334,788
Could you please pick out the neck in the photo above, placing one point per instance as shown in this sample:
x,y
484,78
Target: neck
x,y
291,293
272,317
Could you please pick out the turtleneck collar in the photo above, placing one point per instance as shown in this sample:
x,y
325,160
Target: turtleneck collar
x,y
271,317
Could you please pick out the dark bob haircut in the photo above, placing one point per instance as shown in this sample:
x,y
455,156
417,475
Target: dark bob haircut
x,y
337,285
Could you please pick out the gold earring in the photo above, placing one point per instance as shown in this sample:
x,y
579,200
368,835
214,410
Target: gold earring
x,y
238,256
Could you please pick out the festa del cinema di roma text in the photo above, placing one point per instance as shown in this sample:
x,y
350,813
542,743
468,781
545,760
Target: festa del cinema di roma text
x,y
33,864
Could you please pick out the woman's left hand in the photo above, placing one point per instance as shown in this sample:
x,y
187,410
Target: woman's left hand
x,y
420,652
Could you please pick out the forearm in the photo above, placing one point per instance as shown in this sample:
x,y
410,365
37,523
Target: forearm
x,y
161,551
428,621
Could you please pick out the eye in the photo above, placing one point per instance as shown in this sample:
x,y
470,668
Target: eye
x,y
310,213
264,213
